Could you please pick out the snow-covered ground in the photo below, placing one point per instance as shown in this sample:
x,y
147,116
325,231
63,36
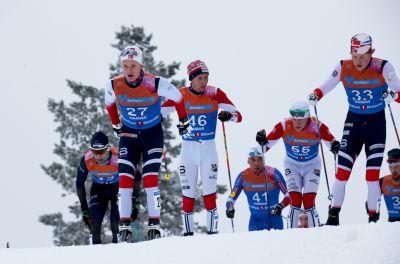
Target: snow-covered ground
x,y
367,243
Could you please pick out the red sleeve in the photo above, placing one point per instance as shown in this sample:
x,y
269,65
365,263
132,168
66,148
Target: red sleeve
x,y
113,113
276,133
222,98
180,108
398,97
319,93
325,133
168,103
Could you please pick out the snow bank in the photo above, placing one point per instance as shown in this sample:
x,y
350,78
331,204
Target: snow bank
x,y
368,243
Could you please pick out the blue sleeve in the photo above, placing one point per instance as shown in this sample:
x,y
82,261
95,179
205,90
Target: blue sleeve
x,y
81,177
281,181
81,174
236,190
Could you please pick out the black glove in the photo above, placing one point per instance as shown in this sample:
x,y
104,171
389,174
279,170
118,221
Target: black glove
x,y
224,116
117,129
87,219
230,212
135,209
183,126
335,147
277,210
261,137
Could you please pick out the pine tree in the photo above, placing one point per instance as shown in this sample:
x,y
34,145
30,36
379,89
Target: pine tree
x,y
77,122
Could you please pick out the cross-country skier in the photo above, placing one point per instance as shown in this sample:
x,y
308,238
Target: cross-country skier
x,y
138,95
303,220
390,186
366,80
256,181
198,154
302,162
101,162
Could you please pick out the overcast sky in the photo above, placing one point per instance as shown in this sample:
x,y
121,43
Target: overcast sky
x,y
263,54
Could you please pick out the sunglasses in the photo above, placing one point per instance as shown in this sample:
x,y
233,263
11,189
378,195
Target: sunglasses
x,y
129,52
97,152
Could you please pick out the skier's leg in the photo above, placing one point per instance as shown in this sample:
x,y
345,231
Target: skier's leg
x,y
128,158
294,183
350,146
209,175
374,151
152,154
188,171
97,206
114,214
310,189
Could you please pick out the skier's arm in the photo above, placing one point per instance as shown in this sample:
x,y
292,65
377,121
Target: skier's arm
x,y
111,105
332,81
274,136
226,104
237,189
81,176
282,186
380,184
326,135
169,91
391,79
167,107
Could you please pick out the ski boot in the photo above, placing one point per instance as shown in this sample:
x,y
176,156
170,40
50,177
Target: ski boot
x,y
373,217
114,231
333,216
154,229
96,234
125,231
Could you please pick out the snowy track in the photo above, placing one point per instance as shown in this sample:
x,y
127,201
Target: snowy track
x,y
374,243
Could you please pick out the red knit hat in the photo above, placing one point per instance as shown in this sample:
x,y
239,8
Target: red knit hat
x,y
195,68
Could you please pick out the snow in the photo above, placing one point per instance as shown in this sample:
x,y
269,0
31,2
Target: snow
x,y
366,243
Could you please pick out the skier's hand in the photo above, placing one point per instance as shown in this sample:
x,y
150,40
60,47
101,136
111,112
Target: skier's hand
x,y
261,138
312,99
184,126
389,96
117,129
335,146
277,209
87,219
135,209
230,212
224,116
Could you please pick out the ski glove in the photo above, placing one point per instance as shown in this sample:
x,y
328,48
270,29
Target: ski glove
x,y
335,146
312,99
135,209
87,219
261,138
277,209
230,212
117,129
224,116
389,96
184,126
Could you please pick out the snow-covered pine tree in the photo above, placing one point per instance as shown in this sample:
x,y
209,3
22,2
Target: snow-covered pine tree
x,y
78,120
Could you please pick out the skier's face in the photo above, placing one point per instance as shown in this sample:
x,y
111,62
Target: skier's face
x,y
361,61
395,171
131,69
300,124
256,164
199,83
303,221
100,155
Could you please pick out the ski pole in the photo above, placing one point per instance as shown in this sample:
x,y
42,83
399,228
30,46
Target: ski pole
x,y
322,154
167,174
287,221
394,124
229,168
266,190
